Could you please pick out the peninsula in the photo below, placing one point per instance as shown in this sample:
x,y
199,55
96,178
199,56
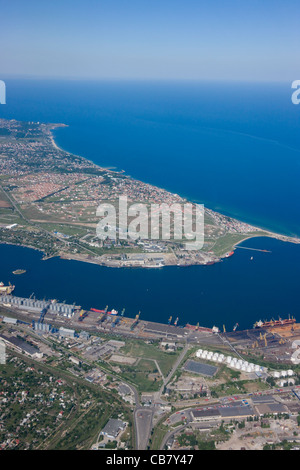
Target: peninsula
x,y
49,198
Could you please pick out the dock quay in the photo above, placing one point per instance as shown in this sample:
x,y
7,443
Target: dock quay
x,y
44,315
253,249
59,314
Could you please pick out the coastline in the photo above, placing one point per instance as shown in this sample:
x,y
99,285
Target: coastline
x,y
52,128
231,227
256,228
263,232
277,236
101,262
268,233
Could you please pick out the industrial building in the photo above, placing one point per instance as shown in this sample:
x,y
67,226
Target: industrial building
x,y
84,335
66,333
113,428
34,305
41,327
237,411
22,346
268,404
11,321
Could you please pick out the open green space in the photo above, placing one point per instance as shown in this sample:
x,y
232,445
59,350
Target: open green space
x,y
137,348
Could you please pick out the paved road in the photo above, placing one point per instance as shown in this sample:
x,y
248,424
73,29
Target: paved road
x,y
143,423
174,368
143,417
171,434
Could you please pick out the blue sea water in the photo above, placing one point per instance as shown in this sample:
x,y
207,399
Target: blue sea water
x,y
236,290
233,146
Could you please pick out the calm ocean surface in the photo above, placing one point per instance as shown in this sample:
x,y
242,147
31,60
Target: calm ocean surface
x,y
234,147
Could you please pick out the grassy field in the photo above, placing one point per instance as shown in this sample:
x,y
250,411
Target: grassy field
x,y
144,375
227,242
141,349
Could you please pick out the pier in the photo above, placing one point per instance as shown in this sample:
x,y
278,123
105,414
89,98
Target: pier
x,y
253,249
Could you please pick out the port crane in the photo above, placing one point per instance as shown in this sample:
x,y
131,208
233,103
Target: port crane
x,y
83,314
265,339
134,324
116,321
43,313
102,317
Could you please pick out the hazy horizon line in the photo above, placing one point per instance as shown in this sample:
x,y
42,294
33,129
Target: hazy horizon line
x,y
142,79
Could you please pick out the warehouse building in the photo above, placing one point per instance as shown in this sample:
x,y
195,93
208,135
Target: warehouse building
x,y
66,333
22,346
113,428
238,411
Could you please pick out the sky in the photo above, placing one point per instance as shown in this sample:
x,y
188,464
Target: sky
x,y
151,39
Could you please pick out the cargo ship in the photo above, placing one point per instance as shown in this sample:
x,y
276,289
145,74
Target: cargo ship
x,y
112,312
6,289
271,323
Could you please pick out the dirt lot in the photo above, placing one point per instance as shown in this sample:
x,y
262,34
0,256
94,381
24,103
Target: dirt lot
x,y
123,359
254,437
4,204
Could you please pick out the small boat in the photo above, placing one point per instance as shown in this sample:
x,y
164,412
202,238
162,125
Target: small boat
x,y
19,271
